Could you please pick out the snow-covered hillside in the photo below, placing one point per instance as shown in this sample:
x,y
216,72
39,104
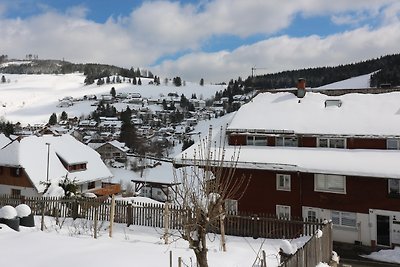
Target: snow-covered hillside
x,y
31,99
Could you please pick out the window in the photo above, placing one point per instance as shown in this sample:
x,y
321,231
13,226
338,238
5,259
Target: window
x,y
341,218
311,215
256,140
15,192
286,141
394,187
393,144
91,185
330,183
283,182
332,142
231,206
283,212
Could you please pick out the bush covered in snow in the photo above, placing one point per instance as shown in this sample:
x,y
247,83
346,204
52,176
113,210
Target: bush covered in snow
x,y
8,212
23,210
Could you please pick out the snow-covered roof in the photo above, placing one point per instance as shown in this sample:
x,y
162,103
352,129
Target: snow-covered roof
x,y
355,162
31,154
119,145
359,114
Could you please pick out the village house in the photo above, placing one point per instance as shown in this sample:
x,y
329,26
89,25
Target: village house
x,y
111,150
29,162
321,157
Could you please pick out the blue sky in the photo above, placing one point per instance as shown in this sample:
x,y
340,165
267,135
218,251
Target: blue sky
x,y
212,39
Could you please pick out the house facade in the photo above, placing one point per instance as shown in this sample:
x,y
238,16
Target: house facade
x,y
27,163
321,157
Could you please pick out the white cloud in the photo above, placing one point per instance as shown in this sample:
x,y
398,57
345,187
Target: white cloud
x,y
158,29
286,53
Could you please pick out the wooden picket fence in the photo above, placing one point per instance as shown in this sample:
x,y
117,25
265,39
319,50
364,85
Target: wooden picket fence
x,y
153,215
317,249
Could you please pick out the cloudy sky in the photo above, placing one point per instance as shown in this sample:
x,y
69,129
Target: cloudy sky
x,y
212,39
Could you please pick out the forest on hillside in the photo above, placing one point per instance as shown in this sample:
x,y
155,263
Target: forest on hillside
x,y
386,68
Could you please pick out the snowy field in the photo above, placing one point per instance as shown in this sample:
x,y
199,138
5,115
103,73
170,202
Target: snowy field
x,y
72,244
31,99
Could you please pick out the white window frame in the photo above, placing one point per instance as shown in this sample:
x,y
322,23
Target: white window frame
x,y
329,142
256,140
327,187
311,217
283,209
231,206
286,179
393,183
344,219
392,144
285,139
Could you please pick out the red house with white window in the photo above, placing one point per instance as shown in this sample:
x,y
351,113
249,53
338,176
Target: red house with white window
x,y
322,157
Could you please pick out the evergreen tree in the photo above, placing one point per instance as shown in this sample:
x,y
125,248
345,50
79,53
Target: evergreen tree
x,y
139,81
53,119
112,92
3,79
128,134
64,116
202,82
134,80
177,81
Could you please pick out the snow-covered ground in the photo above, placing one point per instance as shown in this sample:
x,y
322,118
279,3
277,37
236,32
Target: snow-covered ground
x,y
29,98
72,244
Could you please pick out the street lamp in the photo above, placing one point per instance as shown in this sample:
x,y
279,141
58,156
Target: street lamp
x,y
48,158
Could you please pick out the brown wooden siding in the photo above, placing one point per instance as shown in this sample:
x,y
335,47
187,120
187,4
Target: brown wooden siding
x,y
366,143
271,141
362,194
7,178
306,141
239,140
261,195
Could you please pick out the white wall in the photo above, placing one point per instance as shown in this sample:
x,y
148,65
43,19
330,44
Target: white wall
x,y
25,191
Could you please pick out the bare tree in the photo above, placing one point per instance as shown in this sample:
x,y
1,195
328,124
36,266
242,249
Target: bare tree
x,y
206,180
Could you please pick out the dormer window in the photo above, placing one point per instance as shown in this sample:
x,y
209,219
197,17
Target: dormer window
x,y
72,167
333,103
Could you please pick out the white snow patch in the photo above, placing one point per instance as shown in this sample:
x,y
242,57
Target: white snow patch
x,y
385,255
318,233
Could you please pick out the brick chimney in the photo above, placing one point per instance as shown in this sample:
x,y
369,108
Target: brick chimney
x,y
301,87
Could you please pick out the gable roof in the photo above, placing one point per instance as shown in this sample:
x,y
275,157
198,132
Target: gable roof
x,y
31,154
359,114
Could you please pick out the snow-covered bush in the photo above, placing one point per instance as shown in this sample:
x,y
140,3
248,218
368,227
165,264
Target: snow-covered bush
x,y
23,210
8,212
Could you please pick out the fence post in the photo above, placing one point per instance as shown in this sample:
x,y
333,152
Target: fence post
x,y
129,214
112,214
166,222
96,215
170,258
222,225
42,220
179,261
